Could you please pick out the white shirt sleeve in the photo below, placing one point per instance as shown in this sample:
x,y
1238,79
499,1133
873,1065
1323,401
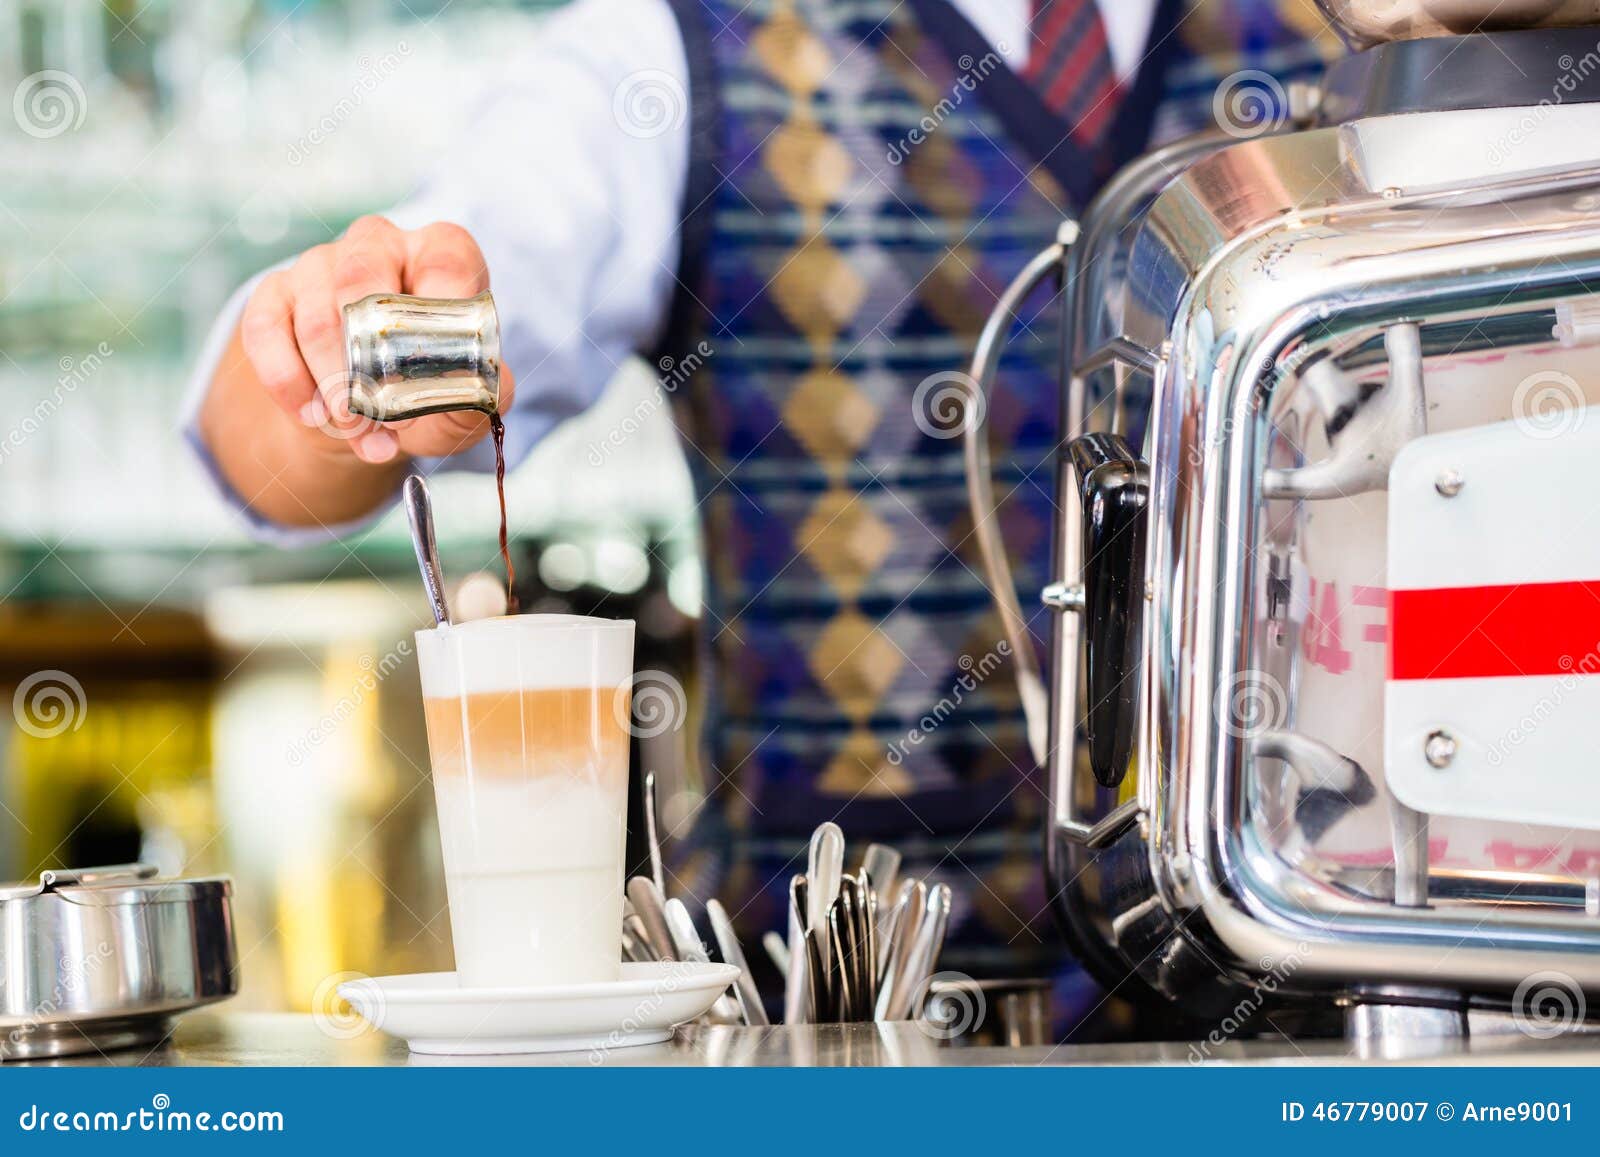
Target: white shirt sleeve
x,y
570,175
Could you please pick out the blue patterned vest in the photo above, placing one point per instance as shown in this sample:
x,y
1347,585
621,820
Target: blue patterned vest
x,y
866,179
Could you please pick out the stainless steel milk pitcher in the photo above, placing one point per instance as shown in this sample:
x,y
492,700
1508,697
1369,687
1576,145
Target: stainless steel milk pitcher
x,y
409,356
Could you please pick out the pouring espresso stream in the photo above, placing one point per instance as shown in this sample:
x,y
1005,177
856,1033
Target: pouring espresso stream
x,y
407,357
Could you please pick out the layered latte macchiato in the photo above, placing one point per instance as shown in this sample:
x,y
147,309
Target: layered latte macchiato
x,y
526,718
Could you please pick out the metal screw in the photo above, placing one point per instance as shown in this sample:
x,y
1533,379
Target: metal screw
x,y
1439,748
1449,483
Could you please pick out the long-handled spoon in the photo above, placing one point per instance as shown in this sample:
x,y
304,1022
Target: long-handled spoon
x,y
634,927
777,949
923,957
652,832
648,907
797,1003
907,923
419,513
690,948
728,944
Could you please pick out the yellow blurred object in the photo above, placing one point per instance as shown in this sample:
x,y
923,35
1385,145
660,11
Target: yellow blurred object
x,y
108,730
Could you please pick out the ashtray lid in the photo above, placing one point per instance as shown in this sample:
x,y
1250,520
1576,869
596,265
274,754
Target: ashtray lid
x,y
115,884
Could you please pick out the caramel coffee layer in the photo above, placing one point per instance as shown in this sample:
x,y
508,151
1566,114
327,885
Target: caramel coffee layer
x,y
550,731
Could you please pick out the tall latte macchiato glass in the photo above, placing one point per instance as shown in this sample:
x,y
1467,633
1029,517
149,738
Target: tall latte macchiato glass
x,y
528,732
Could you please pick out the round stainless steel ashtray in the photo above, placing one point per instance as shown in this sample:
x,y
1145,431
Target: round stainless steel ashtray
x,y
97,959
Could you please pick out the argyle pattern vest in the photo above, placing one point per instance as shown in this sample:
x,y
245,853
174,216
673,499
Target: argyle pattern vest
x,y
867,177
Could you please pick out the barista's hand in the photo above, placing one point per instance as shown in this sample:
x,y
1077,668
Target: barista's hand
x,y
293,334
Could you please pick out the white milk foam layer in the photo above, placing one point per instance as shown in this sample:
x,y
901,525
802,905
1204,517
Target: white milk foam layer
x,y
534,876
525,652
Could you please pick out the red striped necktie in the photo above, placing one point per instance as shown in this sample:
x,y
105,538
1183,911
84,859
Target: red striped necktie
x,y
1069,66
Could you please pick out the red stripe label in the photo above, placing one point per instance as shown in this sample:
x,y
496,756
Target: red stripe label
x,y
1486,632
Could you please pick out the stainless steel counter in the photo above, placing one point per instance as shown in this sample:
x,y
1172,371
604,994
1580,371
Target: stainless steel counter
x,y
268,1039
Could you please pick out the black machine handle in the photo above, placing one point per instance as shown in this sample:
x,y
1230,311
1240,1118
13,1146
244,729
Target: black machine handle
x,y
1114,487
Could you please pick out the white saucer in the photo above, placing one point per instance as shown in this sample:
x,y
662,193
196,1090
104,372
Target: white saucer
x,y
436,1016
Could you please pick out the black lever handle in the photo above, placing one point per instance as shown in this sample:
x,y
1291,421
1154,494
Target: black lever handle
x,y
1114,487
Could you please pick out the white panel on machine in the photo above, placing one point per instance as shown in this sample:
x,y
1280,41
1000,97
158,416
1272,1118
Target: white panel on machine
x,y
1492,705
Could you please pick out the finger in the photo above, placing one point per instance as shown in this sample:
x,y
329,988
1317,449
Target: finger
x,y
440,435
266,330
377,447
382,443
318,325
444,261
370,258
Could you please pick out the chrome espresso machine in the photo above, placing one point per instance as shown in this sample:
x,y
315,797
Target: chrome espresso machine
x,y
1322,713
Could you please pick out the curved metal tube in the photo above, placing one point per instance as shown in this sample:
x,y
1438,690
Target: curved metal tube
x,y
980,485
1366,446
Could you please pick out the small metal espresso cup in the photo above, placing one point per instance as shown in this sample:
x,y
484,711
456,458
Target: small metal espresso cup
x,y
409,356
